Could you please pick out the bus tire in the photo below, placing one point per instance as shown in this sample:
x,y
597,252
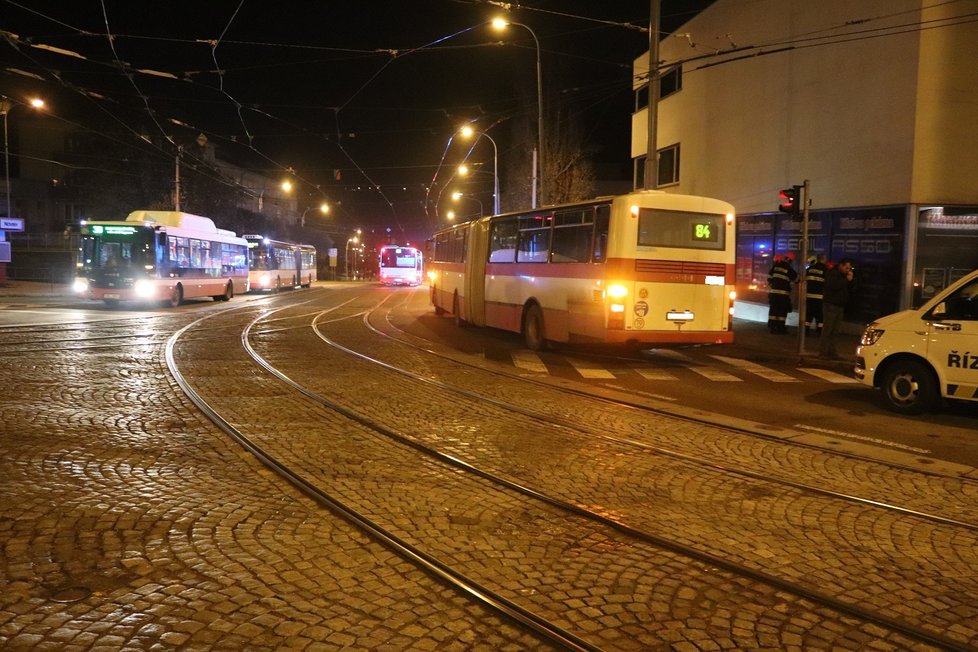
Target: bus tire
x,y
909,387
456,314
228,293
176,296
533,328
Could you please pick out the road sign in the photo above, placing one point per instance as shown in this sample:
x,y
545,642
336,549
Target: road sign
x,y
11,224
4,252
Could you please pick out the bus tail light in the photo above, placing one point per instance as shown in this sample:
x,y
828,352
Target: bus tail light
x,y
616,316
617,291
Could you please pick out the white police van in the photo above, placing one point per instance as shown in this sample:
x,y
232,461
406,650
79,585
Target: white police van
x,y
916,357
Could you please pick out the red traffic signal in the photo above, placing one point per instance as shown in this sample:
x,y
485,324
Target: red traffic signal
x,y
790,201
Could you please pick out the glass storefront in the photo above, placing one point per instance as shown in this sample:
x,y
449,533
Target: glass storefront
x,y
872,238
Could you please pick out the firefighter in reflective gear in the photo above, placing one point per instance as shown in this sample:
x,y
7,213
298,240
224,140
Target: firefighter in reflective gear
x,y
779,281
814,282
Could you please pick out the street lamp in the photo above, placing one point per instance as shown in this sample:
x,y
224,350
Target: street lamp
x,y
323,208
355,240
6,106
467,132
456,196
501,23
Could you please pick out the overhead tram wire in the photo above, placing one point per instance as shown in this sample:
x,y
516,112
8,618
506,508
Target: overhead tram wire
x,y
89,95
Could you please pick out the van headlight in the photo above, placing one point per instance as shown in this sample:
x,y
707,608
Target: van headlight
x,y
871,336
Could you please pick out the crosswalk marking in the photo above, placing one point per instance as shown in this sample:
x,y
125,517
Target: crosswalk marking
x,y
672,362
589,369
760,370
654,374
827,375
529,361
711,373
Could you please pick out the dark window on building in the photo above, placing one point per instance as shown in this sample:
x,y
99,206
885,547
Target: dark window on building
x,y
639,180
671,82
668,165
641,97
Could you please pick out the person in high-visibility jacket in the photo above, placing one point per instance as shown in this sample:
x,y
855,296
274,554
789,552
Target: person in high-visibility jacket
x,y
779,281
814,282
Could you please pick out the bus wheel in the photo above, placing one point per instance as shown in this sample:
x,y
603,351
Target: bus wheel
x,y
228,293
908,387
459,322
533,329
176,296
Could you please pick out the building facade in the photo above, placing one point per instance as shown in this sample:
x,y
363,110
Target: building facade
x,y
873,103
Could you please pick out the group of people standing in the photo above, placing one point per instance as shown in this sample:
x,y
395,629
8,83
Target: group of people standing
x,y
828,289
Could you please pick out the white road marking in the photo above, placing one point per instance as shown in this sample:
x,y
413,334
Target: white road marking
x,y
589,370
654,374
760,370
712,373
529,361
829,376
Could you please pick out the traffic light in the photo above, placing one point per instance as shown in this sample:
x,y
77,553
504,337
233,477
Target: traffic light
x,y
790,200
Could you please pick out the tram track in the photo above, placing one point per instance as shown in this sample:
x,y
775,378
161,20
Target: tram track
x,y
705,462
923,635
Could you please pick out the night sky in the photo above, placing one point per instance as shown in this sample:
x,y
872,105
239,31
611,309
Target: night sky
x,y
358,99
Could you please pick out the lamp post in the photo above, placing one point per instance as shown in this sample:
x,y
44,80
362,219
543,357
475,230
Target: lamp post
x,y
6,106
467,132
456,196
323,208
355,240
500,23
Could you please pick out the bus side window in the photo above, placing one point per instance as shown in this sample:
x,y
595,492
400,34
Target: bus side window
x,y
502,240
461,237
534,242
601,221
572,236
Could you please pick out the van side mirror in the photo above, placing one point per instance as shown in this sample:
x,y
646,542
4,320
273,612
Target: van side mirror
x,y
939,311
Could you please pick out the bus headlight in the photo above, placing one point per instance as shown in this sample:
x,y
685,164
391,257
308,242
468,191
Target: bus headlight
x,y
432,276
80,285
142,289
265,280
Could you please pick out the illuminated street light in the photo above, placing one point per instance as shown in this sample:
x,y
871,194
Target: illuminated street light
x,y
463,170
467,132
323,208
501,23
287,186
450,215
6,106
456,196
354,240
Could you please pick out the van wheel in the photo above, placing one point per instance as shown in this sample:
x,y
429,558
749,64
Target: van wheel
x,y
909,387
533,329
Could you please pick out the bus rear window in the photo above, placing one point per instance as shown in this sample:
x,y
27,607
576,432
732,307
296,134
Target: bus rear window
x,y
681,230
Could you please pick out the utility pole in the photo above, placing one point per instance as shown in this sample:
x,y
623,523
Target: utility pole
x,y
803,282
651,149
176,181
